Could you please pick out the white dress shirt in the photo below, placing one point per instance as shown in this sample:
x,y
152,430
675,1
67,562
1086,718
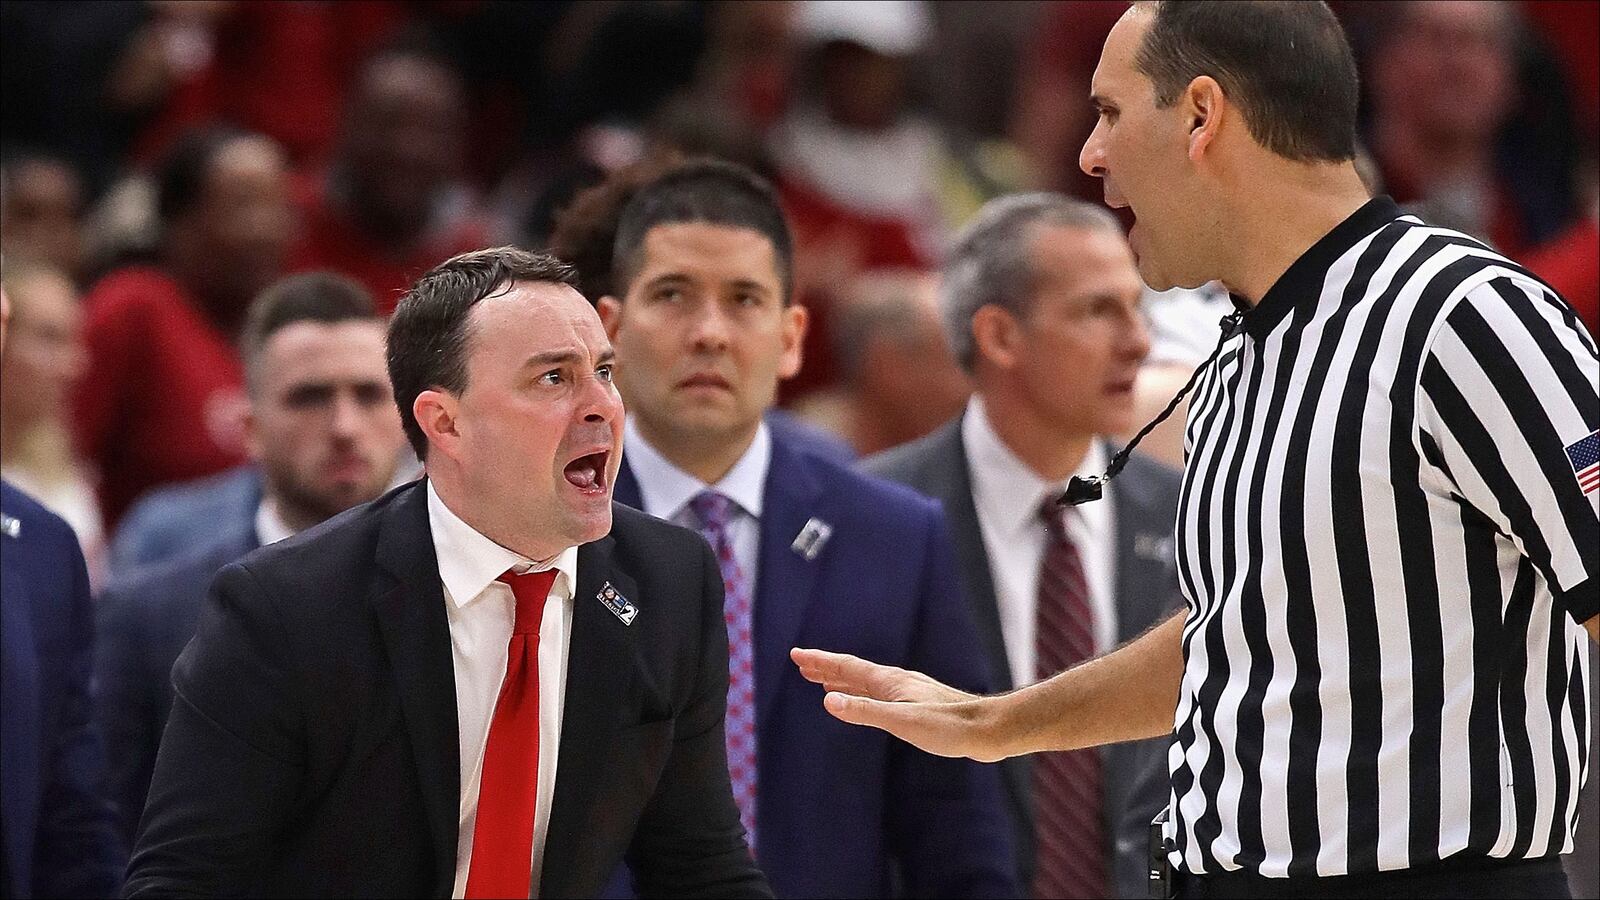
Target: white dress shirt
x,y
482,611
270,526
665,491
1007,495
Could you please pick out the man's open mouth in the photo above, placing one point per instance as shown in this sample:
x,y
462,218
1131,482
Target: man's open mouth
x,y
588,472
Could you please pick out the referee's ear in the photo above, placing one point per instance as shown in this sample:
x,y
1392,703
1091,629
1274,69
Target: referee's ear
x,y
1205,109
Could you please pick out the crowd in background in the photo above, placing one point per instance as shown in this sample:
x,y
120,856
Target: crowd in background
x,y
165,162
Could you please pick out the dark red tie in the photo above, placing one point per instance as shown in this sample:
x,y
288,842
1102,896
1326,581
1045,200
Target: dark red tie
x,y
1070,839
502,837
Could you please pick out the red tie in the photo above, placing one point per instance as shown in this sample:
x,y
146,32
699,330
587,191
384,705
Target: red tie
x,y
502,837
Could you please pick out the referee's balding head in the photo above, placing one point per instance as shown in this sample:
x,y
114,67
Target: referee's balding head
x,y
1206,108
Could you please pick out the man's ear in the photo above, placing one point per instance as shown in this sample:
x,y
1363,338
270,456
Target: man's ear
x,y
1204,108
796,319
997,336
437,413
610,309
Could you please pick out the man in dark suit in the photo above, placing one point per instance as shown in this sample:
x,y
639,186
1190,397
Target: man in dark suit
x,y
324,435
809,551
486,683
56,836
1035,280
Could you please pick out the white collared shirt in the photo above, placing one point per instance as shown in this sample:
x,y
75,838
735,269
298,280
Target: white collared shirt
x,y
1007,495
270,526
482,611
665,491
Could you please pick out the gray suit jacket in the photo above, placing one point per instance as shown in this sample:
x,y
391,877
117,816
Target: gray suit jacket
x,y
1146,498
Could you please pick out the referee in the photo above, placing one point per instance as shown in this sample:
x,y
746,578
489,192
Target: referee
x,y
1387,531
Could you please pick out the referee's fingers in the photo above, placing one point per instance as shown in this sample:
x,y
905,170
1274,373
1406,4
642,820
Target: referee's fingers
x,y
929,726
846,673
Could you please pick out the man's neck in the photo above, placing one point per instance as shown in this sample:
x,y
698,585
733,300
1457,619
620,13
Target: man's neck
x,y
294,517
705,456
1052,453
1277,223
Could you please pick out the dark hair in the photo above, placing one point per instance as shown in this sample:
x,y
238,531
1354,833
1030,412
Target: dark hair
x,y
181,180
324,297
585,231
702,190
428,334
1285,63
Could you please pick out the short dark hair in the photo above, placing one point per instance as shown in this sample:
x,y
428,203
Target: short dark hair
x,y
324,297
181,179
427,345
709,191
585,231
1285,63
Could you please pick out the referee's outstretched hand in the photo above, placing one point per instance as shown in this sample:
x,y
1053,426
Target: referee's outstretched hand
x,y
909,705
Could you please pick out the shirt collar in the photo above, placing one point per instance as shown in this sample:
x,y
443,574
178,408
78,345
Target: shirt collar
x,y
270,526
666,489
1011,492
469,562
1302,282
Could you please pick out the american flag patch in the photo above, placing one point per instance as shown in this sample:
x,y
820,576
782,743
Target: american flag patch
x,y
1585,458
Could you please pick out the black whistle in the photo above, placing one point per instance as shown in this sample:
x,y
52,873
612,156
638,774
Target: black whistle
x,y
1082,490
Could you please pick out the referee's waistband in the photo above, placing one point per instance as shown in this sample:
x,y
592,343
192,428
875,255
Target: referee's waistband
x,y
1249,884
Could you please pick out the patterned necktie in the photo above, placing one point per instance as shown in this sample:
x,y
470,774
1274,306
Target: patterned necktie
x,y
502,836
716,515
1070,859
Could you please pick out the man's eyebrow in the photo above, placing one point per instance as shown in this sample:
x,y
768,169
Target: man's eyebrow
x,y
551,357
1098,101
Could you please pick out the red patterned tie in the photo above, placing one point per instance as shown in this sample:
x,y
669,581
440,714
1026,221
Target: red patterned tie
x,y
1070,859
502,837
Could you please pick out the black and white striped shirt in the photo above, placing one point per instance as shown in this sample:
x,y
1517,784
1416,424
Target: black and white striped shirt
x,y
1387,553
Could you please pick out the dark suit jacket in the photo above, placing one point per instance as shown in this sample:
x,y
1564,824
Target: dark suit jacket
x,y
58,836
838,806
313,746
143,621
1146,496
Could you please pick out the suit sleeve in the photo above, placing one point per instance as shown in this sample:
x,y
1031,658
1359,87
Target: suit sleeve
x,y
231,763
689,842
125,705
947,823
78,853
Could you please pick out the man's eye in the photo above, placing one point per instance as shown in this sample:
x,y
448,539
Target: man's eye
x,y
550,378
606,373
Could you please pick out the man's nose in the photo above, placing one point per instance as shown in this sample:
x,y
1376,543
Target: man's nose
x,y
1092,158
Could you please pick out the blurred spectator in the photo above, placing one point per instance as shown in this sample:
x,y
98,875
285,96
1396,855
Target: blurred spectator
x,y
326,435
163,398
59,840
1053,116
43,360
898,378
278,69
41,211
1443,81
1571,260
869,183
392,204
170,521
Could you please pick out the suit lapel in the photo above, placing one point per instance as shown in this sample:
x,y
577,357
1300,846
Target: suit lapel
x,y
626,491
961,514
416,633
599,659
783,586
1145,584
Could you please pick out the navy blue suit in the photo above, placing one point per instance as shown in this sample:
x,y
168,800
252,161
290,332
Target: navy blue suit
x,y
58,837
143,621
845,811
170,521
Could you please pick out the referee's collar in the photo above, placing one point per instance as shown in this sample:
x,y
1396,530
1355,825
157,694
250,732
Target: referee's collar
x,y
1302,282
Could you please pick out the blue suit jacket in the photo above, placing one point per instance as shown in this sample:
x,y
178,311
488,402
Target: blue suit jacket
x,y
171,521
58,838
143,621
845,811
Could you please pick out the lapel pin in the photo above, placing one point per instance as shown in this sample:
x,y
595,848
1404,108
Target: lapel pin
x,y
11,525
620,606
811,539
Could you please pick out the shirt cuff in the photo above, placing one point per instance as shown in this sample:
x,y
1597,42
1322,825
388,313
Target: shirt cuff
x,y
1582,602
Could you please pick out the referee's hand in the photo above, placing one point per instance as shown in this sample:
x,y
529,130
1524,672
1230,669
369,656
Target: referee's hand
x,y
909,705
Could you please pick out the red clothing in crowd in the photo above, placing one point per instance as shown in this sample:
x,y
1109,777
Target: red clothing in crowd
x,y
1571,263
163,399
329,240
